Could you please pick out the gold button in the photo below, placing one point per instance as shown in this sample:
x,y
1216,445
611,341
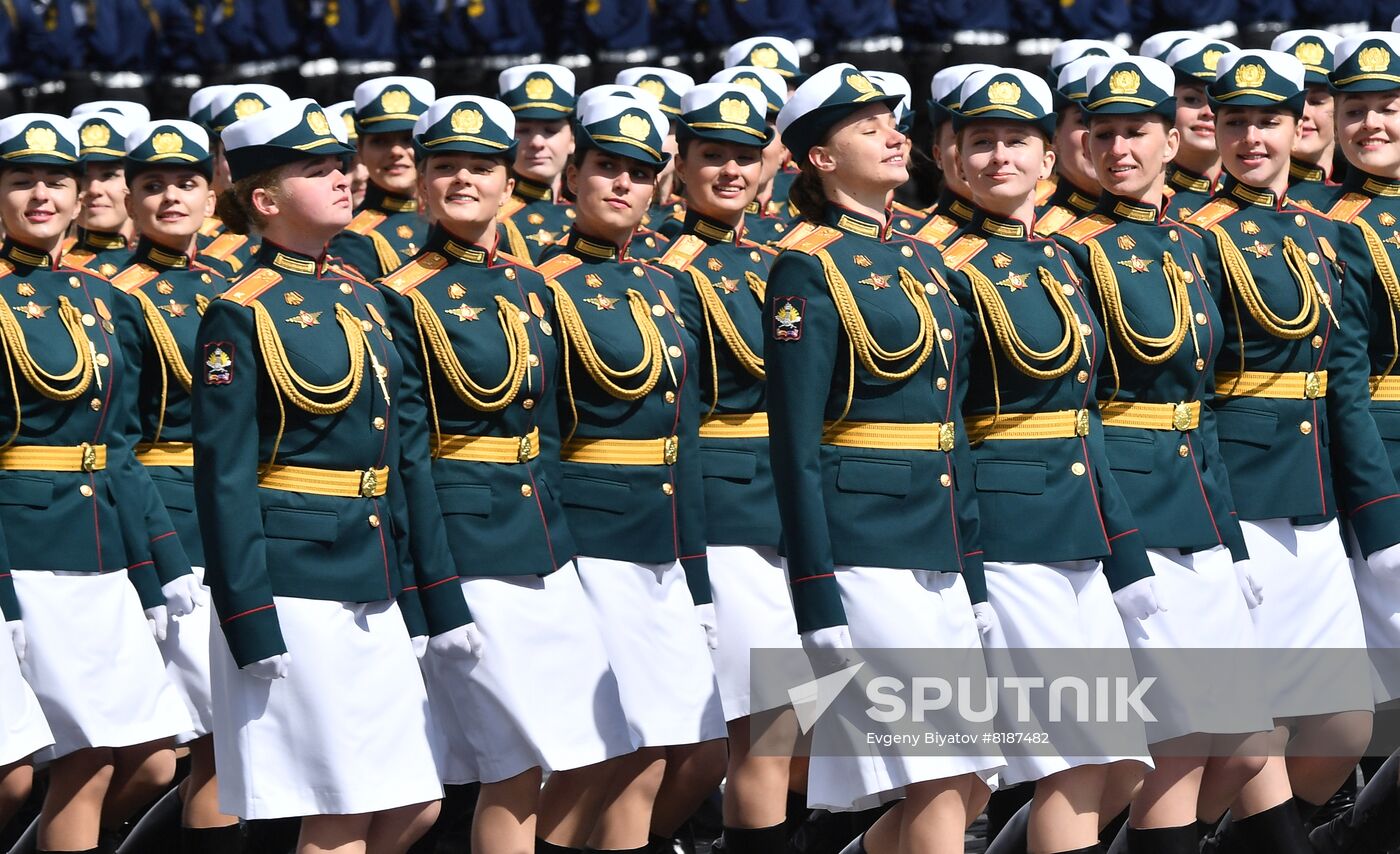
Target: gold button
x,y
1049,252
1086,329
1183,451
906,252
1300,220
1068,289
345,288
1082,376
1187,276
1200,364
366,326
904,223
94,404
945,479
89,320
930,288
670,397
1200,318
73,282
510,273
1313,258
668,489
206,278
378,423
942,383
755,257
637,271
1305,428
534,360
1317,341
658,310
102,360
85,490
946,333
524,316
528,403
373,521
526,490
673,351
1077,469
651,242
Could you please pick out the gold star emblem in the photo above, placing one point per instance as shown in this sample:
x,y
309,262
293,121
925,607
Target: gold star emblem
x,y
715,265
1136,264
164,287
306,318
175,309
1001,260
464,313
728,285
1014,281
25,289
1260,250
1393,239
293,298
1126,242
876,281
456,291
1386,219
107,270
404,232
1249,226
32,310
535,219
603,303
593,280
861,261
542,237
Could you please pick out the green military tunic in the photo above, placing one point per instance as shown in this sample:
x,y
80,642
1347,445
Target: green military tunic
x,y
864,352
721,275
172,292
297,437
1067,204
1163,332
1045,490
947,218
1189,192
629,377
104,253
477,334
1291,402
387,231
533,220
1311,187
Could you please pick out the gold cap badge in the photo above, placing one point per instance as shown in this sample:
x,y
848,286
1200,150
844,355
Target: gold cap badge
x,y
467,121
245,107
1249,76
40,139
394,101
1373,59
764,57
95,135
318,123
634,126
1004,92
539,88
1125,82
167,143
734,111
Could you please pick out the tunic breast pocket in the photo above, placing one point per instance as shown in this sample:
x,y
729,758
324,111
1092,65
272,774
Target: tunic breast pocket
x,y
737,465
317,526
874,477
596,493
1023,477
25,491
1246,426
1130,453
464,499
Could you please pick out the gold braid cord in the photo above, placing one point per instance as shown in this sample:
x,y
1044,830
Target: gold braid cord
x,y
872,356
1241,282
480,397
575,335
293,386
1138,343
166,346
718,315
77,378
757,285
1385,272
1017,351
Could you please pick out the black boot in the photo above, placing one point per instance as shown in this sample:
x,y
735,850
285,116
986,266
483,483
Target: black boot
x,y
211,840
1277,830
542,847
857,846
1162,840
1373,822
1012,838
158,829
762,840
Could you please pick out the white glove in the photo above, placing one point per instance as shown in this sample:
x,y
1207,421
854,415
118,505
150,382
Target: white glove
x,y
1138,600
273,667
183,595
706,615
464,643
1249,585
830,647
420,645
18,638
986,618
159,620
1385,563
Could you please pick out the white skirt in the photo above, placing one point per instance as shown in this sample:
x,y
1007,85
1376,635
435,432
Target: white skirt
x,y
23,730
1043,609
93,663
753,607
1380,613
1190,648
345,732
657,649
901,609
542,694
186,653
1309,625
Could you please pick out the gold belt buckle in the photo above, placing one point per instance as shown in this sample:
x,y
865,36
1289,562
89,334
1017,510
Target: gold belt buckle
x,y
522,453
671,450
89,457
369,483
1081,422
1312,384
1181,417
947,436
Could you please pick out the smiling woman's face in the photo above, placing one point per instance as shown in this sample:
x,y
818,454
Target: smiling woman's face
x,y
1255,144
612,193
865,152
720,178
168,205
465,190
1002,161
104,193
1368,130
37,203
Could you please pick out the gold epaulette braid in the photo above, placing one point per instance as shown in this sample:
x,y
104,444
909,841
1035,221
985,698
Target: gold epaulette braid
x,y
472,393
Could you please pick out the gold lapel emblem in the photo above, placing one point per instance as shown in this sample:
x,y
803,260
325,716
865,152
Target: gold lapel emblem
x,y
1386,219
1014,281
164,287
107,270
602,303
1393,239
535,219
33,310
293,298
1249,227
593,280
715,265
464,312
862,261
456,291
1126,242
1001,260
1260,250
404,232
542,237
175,309
1136,264
876,281
728,285
306,318
24,289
